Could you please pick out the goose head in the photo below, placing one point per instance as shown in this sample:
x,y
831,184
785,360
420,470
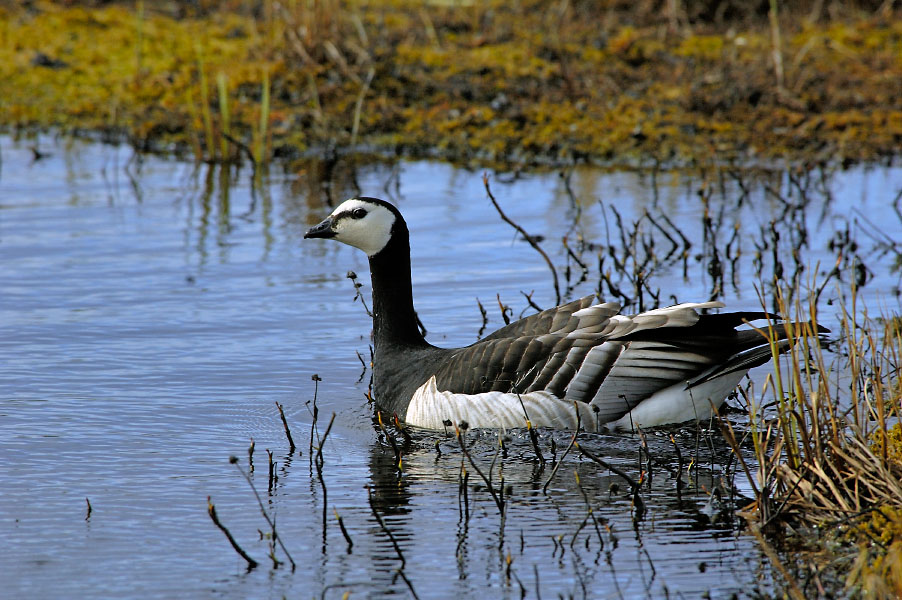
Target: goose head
x,y
365,223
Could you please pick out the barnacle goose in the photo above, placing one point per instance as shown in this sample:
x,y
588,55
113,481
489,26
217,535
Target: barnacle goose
x,y
667,365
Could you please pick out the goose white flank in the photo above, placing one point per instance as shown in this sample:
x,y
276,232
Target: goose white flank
x,y
667,365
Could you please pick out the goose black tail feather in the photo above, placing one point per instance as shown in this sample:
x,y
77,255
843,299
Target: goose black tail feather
x,y
754,348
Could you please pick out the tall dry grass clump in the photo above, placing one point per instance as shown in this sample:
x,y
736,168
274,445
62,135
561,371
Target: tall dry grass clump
x,y
828,449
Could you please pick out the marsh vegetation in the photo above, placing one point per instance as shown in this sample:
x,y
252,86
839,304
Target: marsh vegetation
x,y
168,347
527,82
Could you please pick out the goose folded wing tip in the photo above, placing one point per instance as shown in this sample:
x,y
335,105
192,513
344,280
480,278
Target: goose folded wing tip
x,y
605,308
782,330
742,361
650,320
711,304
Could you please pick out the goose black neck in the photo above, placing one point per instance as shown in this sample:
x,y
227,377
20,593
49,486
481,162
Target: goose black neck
x,y
394,320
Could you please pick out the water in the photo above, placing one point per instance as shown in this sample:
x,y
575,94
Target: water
x,y
153,312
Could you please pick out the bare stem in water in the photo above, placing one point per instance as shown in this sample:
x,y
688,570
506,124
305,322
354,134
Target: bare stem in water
x,y
291,446
263,511
530,239
211,510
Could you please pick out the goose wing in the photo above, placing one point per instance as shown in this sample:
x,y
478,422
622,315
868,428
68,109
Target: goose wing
x,y
620,373
509,359
592,354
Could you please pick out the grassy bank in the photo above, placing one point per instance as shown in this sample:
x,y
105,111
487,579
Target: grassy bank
x,y
827,468
473,82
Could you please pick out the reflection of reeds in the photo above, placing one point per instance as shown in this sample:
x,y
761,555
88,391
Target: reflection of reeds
x,y
496,491
273,478
399,455
590,515
344,530
385,529
566,452
224,118
638,503
205,103
319,462
497,494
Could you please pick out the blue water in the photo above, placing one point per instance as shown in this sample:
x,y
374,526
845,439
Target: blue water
x,y
153,312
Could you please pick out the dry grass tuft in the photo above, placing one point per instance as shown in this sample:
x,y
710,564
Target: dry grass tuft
x,y
829,450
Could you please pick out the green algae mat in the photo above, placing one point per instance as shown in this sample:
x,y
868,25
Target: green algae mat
x,y
520,83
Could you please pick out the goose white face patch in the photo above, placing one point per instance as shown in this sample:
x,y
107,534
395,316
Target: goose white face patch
x,y
363,225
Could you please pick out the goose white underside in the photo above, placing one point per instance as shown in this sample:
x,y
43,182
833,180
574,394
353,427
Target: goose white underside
x,y
679,403
429,407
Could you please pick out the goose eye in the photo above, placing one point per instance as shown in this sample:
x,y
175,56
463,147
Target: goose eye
x,y
358,213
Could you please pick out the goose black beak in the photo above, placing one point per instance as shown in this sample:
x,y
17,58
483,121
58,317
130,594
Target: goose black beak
x,y
323,230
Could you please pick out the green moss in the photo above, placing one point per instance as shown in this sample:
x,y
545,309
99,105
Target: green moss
x,y
489,82
877,571
706,47
892,440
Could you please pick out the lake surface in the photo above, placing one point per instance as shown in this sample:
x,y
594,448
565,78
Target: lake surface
x,y
153,312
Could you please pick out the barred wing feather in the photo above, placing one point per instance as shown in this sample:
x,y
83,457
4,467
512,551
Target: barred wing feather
x,y
591,354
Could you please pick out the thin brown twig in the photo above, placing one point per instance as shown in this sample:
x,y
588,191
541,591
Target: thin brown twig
x,y
504,310
344,531
211,510
532,242
314,413
319,461
272,524
499,502
634,485
566,452
291,446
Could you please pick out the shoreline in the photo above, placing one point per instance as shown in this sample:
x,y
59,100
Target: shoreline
x,y
478,86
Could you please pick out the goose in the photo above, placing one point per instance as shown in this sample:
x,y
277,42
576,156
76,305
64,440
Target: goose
x,y
663,366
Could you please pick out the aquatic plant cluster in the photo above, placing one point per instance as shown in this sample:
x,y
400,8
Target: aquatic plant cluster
x,y
822,447
507,484
474,82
